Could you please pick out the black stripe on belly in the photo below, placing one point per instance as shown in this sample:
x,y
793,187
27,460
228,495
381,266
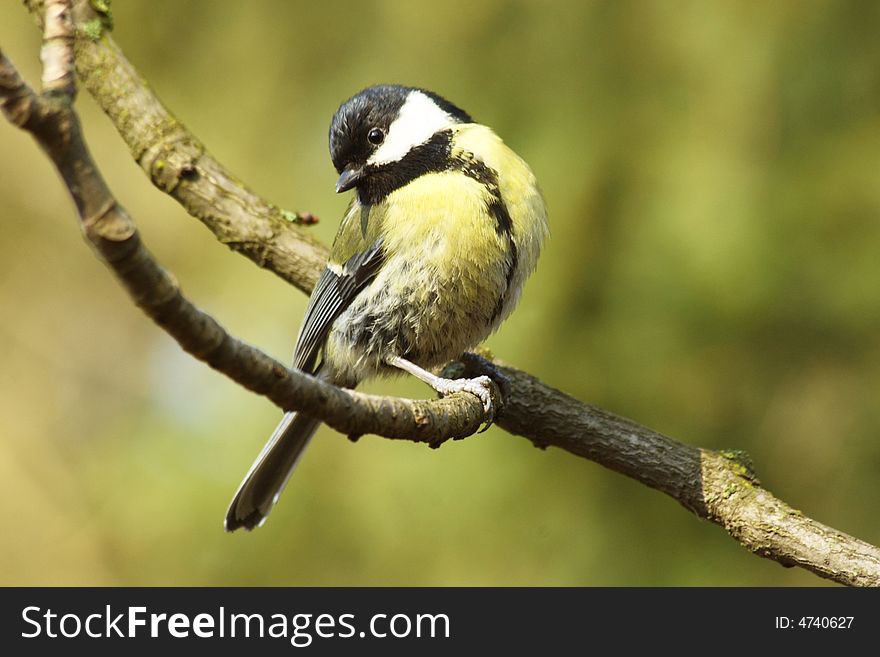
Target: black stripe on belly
x,y
511,269
497,209
488,177
435,156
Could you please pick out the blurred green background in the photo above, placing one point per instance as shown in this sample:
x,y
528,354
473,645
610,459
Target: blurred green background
x,y
712,172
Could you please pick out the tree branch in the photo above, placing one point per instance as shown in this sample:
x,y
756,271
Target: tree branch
x,y
717,486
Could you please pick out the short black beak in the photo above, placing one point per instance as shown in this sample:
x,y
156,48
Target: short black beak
x,y
350,177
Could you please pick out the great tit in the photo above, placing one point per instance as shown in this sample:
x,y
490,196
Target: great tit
x,y
445,225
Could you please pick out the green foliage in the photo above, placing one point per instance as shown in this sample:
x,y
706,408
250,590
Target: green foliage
x,y
712,172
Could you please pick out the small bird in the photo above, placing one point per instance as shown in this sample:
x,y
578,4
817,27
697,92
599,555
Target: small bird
x,y
445,225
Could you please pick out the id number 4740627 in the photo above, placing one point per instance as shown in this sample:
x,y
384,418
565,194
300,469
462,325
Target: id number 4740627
x,y
814,622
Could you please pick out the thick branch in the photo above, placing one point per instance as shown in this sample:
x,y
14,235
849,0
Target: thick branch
x,y
719,487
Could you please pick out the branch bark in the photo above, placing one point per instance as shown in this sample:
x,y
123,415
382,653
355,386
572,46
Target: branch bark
x,y
717,486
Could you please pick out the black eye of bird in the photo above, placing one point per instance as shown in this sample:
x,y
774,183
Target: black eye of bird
x,y
375,136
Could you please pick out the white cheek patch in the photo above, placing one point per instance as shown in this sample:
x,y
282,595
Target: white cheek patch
x,y
418,120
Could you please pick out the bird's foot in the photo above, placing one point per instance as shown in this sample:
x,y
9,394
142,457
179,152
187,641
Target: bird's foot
x,y
480,386
481,362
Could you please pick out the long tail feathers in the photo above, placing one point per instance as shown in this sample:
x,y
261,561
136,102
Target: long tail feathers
x,y
270,472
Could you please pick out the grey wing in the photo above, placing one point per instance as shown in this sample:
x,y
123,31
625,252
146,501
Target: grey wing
x,y
333,293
